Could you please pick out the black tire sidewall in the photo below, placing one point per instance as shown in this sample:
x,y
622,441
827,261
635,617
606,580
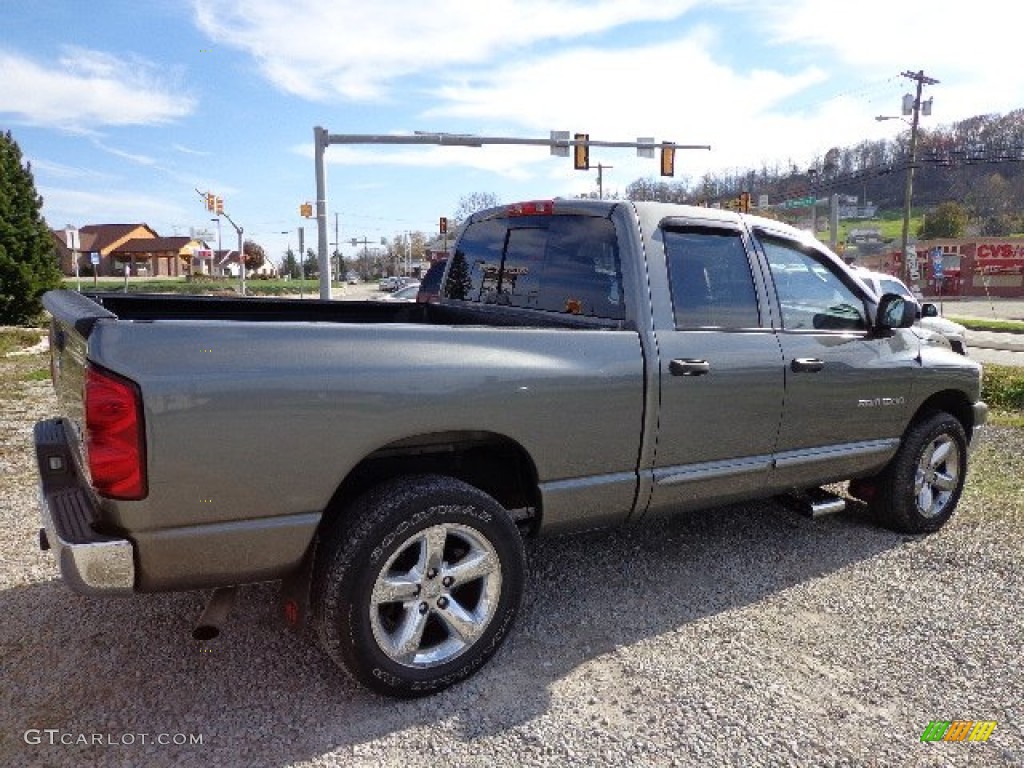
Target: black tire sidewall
x,y
384,520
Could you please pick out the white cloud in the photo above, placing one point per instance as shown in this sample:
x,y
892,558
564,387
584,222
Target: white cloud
x,y
356,49
108,206
971,48
124,155
189,151
42,167
84,90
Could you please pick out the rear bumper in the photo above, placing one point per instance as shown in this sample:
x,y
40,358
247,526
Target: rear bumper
x,y
90,563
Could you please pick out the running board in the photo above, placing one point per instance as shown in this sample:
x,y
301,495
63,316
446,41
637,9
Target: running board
x,y
813,502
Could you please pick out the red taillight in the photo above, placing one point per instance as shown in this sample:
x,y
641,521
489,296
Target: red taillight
x,y
532,208
114,435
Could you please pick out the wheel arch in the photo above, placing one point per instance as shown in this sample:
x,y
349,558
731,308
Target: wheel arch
x,y
491,462
951,401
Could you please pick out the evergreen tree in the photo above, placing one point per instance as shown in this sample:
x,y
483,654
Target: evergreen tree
x,y
28,258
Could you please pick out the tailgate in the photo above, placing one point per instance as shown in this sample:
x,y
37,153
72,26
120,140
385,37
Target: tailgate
x,y
74,316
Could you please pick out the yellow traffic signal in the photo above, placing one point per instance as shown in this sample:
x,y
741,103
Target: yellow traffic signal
x,y
581,152
219,205
210,201
744,202
668,159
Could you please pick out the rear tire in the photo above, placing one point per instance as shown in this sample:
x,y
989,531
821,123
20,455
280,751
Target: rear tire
x,y
417,584
919,490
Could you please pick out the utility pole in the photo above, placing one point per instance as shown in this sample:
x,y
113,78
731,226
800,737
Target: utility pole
x,y
302,263
910,272
337,248
600,179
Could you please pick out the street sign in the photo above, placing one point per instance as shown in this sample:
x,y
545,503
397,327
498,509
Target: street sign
x,y
560,143
801,202
94,258
937,267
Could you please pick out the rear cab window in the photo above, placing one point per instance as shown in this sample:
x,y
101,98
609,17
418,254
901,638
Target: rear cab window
x,y
554,263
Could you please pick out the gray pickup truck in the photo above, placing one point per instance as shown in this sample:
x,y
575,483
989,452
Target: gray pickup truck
x,y
587,364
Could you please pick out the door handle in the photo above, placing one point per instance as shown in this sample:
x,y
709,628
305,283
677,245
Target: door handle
x,y
689,367
807,365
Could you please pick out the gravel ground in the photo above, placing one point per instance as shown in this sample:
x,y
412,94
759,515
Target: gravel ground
x,y
744,636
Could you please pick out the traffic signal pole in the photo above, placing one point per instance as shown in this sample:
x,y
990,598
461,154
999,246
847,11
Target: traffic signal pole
x,y
322,139
216,204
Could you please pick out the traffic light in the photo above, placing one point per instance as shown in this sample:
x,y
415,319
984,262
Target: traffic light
x,y
443,225
581,152
210,197
744,202
668,159
219,205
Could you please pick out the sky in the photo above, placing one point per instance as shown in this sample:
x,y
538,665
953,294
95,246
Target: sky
x,y
126,109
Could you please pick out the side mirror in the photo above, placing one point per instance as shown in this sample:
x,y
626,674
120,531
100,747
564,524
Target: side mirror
x,y
929,310
894,311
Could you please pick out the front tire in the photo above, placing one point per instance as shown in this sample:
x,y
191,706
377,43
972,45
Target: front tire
x,y
919,490
418,584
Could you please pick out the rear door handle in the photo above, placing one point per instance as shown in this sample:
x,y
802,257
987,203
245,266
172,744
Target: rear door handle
x,y
687,367
807,365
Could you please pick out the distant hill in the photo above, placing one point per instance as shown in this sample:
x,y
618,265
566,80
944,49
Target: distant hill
x,y
978,162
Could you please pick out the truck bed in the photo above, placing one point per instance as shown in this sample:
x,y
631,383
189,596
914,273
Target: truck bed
x,y
128,306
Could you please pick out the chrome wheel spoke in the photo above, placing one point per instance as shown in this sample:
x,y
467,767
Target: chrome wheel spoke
x,y
474,566
924,499
432,548
409,634
395,589
945,482
940,453
464,624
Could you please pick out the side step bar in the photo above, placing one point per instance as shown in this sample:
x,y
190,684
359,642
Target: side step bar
x,y
813,502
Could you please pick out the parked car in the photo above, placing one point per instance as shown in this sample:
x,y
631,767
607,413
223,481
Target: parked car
x,y
880,283
430,287
389,284
405,293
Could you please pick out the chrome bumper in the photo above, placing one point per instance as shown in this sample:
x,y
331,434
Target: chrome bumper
x,y
980,413
90,563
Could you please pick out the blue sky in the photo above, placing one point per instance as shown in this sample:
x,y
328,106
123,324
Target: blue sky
x,y
125,108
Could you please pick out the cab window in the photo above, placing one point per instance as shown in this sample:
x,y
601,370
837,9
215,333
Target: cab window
x,y
811,295
710,279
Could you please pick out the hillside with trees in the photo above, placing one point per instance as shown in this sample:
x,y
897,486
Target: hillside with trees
x,y
977,163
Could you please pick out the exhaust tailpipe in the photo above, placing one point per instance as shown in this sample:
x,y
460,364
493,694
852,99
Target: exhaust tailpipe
x,y
215,613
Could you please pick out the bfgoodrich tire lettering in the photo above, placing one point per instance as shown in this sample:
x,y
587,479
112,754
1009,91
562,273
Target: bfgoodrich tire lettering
x,y
418,584
919,490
